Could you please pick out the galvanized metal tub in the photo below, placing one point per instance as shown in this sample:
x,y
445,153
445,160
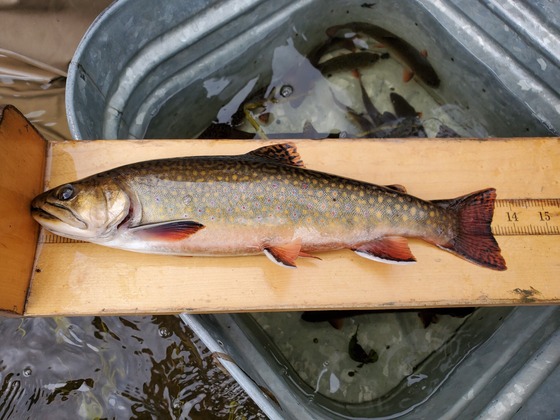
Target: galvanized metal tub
x,y
139,71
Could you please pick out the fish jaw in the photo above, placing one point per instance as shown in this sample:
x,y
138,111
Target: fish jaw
x,y
57,219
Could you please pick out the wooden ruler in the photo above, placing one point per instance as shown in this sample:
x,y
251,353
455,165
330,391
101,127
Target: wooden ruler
x,y
512,217
526,216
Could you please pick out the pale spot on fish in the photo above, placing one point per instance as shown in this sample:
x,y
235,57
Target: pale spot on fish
x,y
380,199
379,215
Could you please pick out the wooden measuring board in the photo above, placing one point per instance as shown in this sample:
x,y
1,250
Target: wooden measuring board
x,y
62,277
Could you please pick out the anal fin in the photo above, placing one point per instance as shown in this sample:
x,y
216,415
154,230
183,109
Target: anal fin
x,y
388,249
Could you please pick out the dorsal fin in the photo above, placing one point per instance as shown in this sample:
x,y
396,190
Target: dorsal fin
x,y
285,153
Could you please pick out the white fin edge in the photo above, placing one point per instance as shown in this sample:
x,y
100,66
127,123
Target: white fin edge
x,y
383,260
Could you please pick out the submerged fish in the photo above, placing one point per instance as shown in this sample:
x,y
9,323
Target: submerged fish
x,y
401,106
375,116
261,202
415,61
357,352
347,62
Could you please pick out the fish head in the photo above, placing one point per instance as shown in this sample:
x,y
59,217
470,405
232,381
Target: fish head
x,y
91,209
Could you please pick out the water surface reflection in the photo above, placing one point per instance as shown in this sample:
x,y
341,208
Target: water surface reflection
x,y
113,367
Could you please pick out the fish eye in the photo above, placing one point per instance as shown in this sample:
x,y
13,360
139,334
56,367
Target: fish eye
x,y
65,193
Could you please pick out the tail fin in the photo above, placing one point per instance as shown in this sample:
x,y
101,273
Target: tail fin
x,y
474,240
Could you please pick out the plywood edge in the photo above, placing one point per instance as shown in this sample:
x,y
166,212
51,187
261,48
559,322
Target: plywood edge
x,y
22,168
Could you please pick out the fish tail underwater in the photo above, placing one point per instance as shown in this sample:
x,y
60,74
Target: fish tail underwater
x,y
474,240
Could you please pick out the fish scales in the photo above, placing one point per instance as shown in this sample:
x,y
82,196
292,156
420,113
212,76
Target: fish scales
x,y
255,192
262,202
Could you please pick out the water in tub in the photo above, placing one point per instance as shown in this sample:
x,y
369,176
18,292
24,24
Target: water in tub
x,y
342,94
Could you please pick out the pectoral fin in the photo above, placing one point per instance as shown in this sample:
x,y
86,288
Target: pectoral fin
x,y
389,249
167,231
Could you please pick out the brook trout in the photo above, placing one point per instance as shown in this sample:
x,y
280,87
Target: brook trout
x,y
415,61
264,201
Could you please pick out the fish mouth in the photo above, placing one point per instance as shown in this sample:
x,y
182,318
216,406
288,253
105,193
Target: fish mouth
x,y
40,214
